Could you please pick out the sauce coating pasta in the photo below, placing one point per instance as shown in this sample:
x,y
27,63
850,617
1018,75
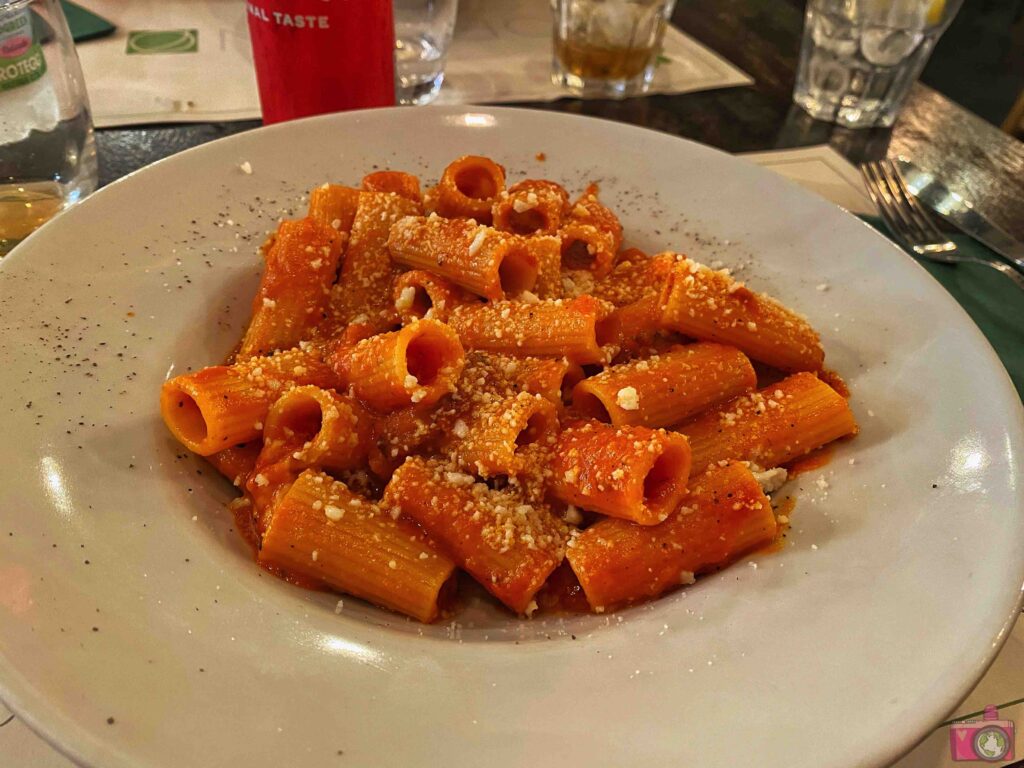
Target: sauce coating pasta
x,y
471,377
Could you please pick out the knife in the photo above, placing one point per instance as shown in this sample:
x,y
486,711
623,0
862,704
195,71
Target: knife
x,y
958,210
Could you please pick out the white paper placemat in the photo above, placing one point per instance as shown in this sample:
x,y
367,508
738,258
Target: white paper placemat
x,y
201,70
824,171
212,83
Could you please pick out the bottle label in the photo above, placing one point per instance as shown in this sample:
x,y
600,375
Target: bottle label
x,y
21,59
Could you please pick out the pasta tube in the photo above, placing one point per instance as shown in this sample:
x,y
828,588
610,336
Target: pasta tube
x,y
418,364
591,235
224,405
469,187
398,182
547,252
498,428
508,546
333,205
575,329
313,427
724,515
663,390
482,260
772,426
549,378
294,290
634,277
698,301
531,207
637,325
363,291
320,530
420,294
629,472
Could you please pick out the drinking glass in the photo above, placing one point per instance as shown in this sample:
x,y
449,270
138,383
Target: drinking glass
x,y
423,32
607,48
860,57
47,150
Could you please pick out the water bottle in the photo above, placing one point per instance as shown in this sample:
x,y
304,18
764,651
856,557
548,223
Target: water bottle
x,y
47,149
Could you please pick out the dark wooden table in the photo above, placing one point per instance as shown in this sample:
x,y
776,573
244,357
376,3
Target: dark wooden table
x,y
763,38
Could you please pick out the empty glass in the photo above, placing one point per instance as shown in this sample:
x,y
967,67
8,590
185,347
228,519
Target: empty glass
x,y
607,47
47,151
423,32
860,57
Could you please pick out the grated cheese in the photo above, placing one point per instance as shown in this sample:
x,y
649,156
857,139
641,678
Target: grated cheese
x,y
478,241
628,399
405,299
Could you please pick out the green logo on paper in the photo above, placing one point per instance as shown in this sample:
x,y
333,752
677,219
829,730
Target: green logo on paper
x,y
163,41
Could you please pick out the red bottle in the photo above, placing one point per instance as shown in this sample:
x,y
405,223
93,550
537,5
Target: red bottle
x,y
316,56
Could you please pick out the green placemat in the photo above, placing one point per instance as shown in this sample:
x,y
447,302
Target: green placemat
x,y
992,301
85,25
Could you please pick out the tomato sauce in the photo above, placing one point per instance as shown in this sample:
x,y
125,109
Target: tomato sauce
x,y
562,593
835,381
811,461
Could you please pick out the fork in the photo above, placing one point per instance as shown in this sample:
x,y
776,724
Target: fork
x,y
910,223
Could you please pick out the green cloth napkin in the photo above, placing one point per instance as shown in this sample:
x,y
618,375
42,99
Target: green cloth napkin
x,y
992,301
85,25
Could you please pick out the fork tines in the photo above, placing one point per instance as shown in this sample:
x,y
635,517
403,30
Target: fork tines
x,y
903,214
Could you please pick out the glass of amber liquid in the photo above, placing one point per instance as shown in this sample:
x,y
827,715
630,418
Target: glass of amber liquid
x,y
607,48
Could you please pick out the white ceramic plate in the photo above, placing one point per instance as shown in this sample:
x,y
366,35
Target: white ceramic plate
x,y
124,594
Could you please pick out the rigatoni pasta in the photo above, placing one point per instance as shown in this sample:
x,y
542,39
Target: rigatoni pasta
x,y
591,235
334,205
576,329
546,251
475,257
550,378
419,294
417,364
723,516
469,188
224,405
531,207
633,473
322,531
363,291
313,427
294,292
509,546
710,305
662,390
399,182
464,377
498,429
772,426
